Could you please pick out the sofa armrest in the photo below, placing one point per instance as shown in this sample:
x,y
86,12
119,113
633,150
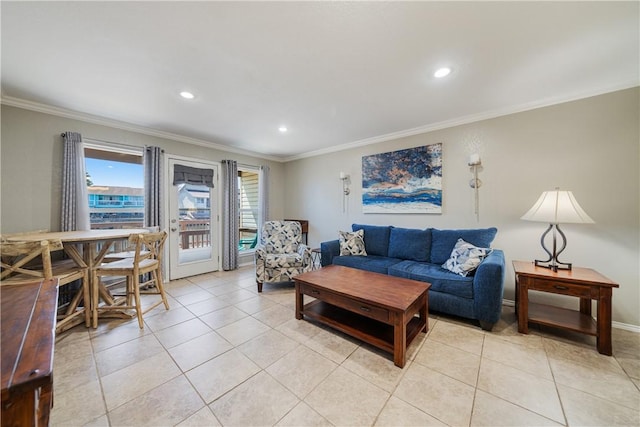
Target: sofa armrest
x,y
488,287
328,250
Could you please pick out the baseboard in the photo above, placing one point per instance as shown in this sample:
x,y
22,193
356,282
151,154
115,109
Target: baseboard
x,y
614,324
626,327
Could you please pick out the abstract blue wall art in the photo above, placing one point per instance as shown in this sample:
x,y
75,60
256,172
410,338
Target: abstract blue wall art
x,y
403,181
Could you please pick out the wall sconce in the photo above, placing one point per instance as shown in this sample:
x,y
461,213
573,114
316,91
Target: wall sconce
x,y
345,189
475,163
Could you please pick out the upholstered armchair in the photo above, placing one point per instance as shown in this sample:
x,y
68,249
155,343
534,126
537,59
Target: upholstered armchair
x,y
281,255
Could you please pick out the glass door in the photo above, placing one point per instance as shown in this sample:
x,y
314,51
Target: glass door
x,y
193,223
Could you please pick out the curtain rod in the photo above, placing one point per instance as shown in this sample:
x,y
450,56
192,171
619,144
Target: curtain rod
x,y
113,144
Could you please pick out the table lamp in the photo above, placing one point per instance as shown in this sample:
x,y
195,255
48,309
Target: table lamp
x,y
556,207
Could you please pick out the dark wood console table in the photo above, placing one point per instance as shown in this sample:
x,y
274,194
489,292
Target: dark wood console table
x,y
28,334
584,283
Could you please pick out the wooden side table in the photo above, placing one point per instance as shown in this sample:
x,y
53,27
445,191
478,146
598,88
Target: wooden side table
x,y
584,283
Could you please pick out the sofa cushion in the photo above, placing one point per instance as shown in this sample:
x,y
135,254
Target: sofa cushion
x,y
409,243
441,280
352,243
374,263
443,241
465,258
376,238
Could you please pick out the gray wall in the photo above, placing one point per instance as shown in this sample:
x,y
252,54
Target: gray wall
x,y
590,147
31,159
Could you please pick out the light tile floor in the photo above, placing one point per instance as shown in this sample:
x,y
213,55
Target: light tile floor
x,y
226,355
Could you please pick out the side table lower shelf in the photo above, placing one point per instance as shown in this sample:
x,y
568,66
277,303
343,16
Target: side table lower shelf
x,y
557,317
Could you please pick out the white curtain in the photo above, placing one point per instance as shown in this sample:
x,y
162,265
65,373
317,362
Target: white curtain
x,y
263,197
230,214
152,159
75,197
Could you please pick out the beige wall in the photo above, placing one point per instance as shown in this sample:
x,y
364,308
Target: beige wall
x,y
590,147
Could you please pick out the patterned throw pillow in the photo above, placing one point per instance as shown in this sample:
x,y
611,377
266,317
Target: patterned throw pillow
x,y
465,258
352,243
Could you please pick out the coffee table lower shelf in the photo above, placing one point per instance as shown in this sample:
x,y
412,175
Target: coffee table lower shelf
x,y
363,328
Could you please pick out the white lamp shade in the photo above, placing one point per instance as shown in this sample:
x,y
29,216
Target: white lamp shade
x,y
555,207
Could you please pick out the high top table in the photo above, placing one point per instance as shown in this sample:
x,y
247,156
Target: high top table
x,y
89,256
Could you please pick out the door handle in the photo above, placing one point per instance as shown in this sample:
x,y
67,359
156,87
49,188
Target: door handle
x,y
174,229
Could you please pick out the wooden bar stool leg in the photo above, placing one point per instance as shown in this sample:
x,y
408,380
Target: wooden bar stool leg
x,y
95,294
136,295
129,290
86,293
157,277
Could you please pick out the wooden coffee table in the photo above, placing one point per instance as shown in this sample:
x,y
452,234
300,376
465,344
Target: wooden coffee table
x,y
375,308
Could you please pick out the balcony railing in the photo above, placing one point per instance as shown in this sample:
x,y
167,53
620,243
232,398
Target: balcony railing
x,y
117,225
116,204
195,233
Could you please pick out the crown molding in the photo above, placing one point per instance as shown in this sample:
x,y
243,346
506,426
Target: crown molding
x,y
89,118
472,118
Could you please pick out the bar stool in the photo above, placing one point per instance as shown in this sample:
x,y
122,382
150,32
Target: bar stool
x,y
147,259
25,262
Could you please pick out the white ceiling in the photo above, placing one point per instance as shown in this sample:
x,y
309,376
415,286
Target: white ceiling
x,y
335,73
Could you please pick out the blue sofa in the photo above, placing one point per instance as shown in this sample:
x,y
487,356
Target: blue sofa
x,y
419,255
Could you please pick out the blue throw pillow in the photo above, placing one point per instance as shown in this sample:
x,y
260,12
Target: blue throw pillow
x,y
443,241
376,238
409,243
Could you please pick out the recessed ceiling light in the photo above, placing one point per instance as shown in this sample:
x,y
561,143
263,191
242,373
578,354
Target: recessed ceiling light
x,y
442,72
283,129
186,95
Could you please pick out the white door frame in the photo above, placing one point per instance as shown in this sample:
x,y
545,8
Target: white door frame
x,y
215,211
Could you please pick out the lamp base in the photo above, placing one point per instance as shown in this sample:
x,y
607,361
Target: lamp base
x,y
553,262
554,265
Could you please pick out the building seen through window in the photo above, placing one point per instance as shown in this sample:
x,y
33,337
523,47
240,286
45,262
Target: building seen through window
x,y
115,183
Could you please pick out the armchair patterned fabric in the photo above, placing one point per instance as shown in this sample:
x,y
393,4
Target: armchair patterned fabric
x,y
281,255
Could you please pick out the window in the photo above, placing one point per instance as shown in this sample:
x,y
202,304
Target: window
x,y
248,207
115,180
